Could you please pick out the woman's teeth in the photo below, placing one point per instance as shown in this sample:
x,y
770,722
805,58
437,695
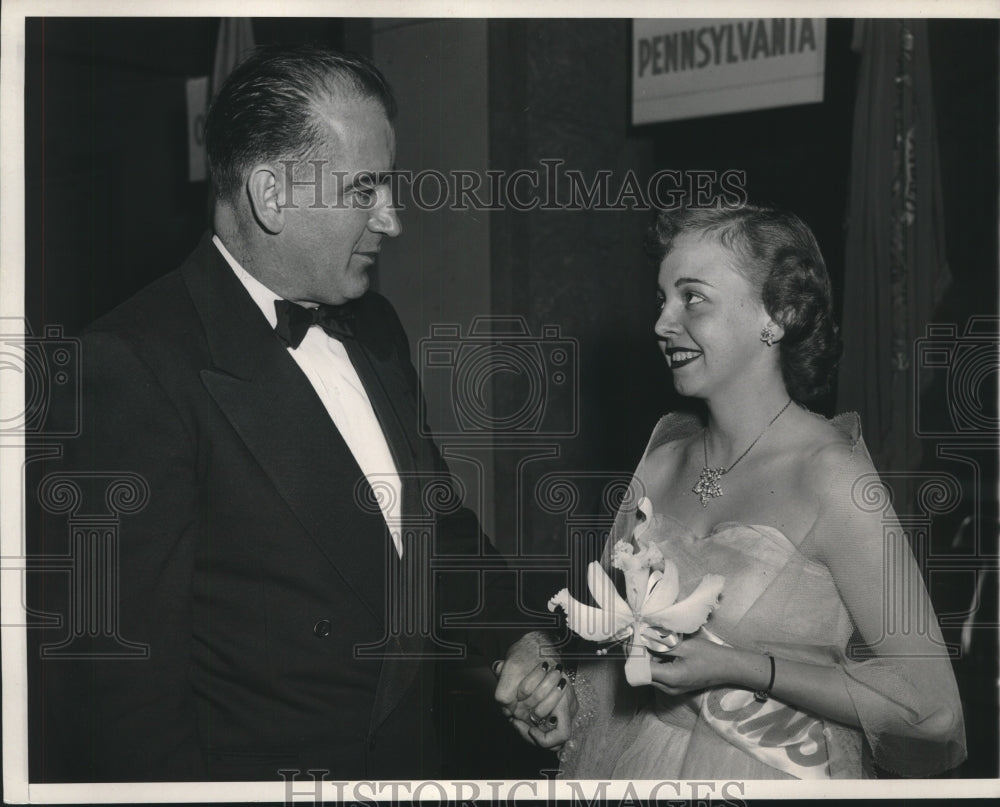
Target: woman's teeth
x,y
678,358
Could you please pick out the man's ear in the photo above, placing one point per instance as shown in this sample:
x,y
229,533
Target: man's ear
x,y
264,193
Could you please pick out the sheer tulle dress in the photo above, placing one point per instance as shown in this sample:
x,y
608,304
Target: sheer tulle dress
x,y
848,595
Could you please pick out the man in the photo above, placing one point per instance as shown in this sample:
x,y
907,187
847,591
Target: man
x,y
267,400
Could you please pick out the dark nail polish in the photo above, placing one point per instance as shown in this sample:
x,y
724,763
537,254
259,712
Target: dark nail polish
x,y
559,668
545,666
562,683
553,720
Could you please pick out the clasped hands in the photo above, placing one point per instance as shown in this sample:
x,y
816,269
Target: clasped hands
x,y
538,699
535,693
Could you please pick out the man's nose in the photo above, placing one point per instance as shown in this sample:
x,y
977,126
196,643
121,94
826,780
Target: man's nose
x,y
385,220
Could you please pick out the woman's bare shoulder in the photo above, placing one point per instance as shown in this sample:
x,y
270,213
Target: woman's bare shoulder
x,y
673,434
828,457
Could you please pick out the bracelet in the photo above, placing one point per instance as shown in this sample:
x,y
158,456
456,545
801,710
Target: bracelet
x,y
762,695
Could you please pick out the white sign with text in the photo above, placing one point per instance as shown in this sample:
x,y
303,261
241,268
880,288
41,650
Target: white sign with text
x,y
693,68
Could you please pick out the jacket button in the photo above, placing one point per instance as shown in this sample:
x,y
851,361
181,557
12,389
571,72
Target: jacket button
x,y
322,628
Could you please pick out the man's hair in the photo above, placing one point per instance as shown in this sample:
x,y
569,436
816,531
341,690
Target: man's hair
x,y
266,110
778,253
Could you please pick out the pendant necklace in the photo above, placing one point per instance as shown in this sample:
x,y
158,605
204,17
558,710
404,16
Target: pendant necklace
x,y
708,480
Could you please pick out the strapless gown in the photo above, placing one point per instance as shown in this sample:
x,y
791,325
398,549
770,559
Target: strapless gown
x,y
778,598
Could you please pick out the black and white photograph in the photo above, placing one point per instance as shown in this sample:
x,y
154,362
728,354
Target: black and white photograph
x,y
559,403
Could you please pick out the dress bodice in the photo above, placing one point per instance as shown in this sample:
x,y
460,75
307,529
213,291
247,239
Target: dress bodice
x,y
774,596
814,600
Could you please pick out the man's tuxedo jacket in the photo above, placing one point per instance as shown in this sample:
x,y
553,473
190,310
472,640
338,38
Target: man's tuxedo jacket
x,y
259,564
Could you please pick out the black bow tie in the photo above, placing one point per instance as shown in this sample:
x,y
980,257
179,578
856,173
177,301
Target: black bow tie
x,y
294,320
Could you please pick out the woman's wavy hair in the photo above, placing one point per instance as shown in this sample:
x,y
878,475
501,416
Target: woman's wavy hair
x,y
778,253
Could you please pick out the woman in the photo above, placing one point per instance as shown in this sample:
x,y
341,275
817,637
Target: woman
x,y
823,654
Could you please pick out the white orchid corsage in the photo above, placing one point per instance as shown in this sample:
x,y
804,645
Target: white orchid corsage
x,y
652,585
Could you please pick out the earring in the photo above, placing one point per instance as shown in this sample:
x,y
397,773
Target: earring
x,y
767,335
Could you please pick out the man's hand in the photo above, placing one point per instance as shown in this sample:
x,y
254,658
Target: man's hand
x,y
534,693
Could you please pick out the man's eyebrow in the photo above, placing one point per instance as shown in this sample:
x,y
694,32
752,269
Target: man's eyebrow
x,y
370,179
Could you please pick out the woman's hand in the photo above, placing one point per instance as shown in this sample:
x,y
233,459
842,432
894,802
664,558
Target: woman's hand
x,y
543,707
696,663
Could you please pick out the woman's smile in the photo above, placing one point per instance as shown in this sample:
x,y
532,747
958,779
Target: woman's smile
x,y
679,357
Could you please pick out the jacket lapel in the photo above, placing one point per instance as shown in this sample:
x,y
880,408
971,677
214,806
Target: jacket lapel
x,y
276,412
381,374
386,391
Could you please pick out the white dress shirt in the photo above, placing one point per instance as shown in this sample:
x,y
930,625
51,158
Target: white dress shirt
x,y
325,362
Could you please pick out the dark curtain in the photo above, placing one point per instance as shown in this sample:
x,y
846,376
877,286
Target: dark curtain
x,y
895,265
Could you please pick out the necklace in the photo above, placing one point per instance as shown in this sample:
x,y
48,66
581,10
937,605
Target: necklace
x,y
708,480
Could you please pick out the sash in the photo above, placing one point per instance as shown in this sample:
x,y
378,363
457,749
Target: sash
x,y
773,732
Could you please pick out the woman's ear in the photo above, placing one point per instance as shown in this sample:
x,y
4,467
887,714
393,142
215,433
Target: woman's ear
x,y
263,192
779,321
776,328
772,330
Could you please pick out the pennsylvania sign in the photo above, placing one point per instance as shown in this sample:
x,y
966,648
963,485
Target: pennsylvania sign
x,y
691,68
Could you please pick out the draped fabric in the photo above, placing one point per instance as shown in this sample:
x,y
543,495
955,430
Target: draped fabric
x,y
895,264
234,42
846,595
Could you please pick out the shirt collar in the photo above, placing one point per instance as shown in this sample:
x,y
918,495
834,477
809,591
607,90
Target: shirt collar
x,y
261,294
